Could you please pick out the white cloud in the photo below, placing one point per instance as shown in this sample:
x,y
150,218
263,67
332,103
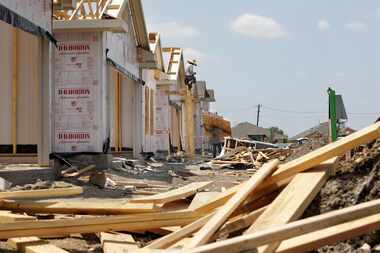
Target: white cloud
x,y
258,26
191,53
173,29
356,25
323,25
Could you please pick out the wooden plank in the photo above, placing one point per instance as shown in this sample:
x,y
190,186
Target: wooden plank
x,y
166,241
44,193
331,235
172,195
133,222
208,230
79,207
33,245
293,229
202,198
6,217
117,243
293,200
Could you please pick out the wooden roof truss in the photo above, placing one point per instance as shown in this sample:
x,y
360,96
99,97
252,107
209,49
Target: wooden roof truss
x,y
91,9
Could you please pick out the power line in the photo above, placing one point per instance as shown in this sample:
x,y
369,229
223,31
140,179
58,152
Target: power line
x,y
290,111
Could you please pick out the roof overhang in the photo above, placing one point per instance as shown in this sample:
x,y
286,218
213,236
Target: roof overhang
x,y
113,25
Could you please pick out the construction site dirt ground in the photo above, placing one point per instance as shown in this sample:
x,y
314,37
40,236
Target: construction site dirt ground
x,y
357,180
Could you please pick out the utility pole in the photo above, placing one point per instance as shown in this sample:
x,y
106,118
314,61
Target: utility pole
x,y
258,114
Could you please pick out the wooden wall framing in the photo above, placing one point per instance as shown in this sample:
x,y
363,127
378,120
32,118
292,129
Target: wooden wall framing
x,y
20,91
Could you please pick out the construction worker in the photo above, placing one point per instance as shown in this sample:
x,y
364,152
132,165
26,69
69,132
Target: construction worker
x,y
190,74
215,141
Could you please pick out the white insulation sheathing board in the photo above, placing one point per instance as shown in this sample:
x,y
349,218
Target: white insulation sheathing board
x,y
28,86
36,11
79,92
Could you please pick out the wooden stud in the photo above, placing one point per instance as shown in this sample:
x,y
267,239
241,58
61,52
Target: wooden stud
x,y
91,225
78,207
14,90
208,230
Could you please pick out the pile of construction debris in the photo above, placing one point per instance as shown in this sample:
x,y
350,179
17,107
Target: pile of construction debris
x,y
285,207
249,158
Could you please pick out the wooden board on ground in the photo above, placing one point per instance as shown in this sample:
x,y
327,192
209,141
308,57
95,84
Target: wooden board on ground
x,y
331,235
208,230
79,207
293,229
132,222
172,195
33,245
117,242
170,239
202,198
45,193
292,201
7,216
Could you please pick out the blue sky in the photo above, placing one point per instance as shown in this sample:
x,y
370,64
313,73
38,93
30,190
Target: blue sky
x,y
281,54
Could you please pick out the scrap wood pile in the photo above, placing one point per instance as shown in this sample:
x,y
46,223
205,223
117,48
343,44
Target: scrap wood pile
x,y
263,214
251,158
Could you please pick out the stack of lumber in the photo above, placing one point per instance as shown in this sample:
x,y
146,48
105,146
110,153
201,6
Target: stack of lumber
x,y
213,121
251,158
262,214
